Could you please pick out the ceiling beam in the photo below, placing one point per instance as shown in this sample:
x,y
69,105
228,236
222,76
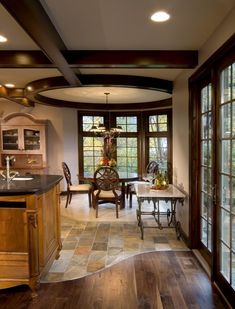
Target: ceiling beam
x,y
34,20
15,95
132,58
103,59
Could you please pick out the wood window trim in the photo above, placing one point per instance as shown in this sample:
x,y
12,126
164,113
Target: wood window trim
x,y
142,117
212,68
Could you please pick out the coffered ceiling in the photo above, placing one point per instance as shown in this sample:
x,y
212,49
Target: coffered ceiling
x,y
68,53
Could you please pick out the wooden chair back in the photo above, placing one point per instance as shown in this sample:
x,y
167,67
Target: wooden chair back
x,y
67,174
152,167
106,178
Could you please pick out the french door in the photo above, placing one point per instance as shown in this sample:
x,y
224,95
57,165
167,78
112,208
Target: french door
x,y
212,173
225,269
207,186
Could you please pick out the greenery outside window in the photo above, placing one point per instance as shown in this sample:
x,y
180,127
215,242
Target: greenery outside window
x,y
158,139
127,146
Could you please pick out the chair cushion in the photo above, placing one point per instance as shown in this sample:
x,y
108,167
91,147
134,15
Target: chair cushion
x,y
136,182
81,187
107,194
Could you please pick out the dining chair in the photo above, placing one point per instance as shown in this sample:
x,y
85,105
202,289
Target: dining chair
x,y
78,188
106,181
151,169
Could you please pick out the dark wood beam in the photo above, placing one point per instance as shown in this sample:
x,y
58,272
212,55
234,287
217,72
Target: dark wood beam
x,y
103,59
33,19
101,107
24,59
15,95
37,87
132,81
132,58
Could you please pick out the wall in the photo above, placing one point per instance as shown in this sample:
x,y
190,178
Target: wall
x,y
180,114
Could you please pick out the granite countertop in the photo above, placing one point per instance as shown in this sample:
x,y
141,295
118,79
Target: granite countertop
x,y
39,184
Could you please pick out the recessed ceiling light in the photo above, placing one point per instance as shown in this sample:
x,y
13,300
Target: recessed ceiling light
x,y
160,16
10,85
2,39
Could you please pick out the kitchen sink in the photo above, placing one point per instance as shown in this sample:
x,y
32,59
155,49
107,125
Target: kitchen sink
x,y
22,178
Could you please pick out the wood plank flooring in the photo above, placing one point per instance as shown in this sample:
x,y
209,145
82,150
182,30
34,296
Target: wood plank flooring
x,y
169,279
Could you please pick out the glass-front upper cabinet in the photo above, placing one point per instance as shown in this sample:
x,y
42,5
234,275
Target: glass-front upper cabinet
x,y
23,135
22,138
32,139
10,139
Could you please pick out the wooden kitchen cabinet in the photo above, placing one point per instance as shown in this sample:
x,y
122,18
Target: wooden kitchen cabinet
x,y
24,137
30,237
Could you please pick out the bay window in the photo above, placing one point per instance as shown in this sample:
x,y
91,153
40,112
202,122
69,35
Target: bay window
x,y
145,136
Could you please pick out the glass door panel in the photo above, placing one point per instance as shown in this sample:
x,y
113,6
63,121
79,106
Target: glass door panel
x,y
206,168
226,203
10,139
158,151
31,139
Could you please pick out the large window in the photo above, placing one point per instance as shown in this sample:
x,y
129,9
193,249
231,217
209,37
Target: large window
x,y
158,138
92,146
145,136
127,144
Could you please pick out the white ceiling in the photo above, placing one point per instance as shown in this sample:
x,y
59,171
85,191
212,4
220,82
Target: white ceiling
x,y
119,25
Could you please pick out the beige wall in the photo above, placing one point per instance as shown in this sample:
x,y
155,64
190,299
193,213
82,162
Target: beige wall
x,y
180,114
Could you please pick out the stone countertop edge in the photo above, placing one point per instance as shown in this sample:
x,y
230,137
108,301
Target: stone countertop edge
x,y
38,185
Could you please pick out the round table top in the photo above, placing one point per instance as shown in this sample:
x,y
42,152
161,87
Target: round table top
x,y
123,176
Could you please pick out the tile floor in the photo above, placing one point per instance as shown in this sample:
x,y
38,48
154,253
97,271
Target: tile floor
x,y
91,244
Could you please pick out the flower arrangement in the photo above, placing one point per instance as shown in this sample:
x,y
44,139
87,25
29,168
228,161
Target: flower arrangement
x,y
108,154
161,181
107,162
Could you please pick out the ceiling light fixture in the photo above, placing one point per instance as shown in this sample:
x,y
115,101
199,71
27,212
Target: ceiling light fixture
x,y
2,39
160,16
10,85
101,130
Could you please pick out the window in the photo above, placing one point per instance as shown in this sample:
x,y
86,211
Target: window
x,y
92,146
206,203
127,146
145,136
158,137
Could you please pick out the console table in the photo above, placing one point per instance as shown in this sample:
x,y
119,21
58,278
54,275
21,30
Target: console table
x,y
171,194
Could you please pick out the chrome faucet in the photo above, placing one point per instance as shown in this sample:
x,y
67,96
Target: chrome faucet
x,y
9,175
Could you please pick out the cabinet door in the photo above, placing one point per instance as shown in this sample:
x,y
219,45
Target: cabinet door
x,y
10,139
32,139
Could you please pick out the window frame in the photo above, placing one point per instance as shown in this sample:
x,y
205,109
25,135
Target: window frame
x,y
142,134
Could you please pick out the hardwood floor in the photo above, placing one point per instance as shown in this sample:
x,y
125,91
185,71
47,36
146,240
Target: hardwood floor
x,y
169,279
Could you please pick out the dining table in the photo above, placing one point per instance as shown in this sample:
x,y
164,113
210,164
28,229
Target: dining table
x,y
148,192
124,177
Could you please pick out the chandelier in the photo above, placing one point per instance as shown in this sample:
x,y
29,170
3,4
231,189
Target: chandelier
x,y
101,130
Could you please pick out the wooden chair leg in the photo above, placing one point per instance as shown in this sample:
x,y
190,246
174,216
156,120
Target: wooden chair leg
x,y
128,190
117,205
96,209
130,199
67,200
70,197
90,198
